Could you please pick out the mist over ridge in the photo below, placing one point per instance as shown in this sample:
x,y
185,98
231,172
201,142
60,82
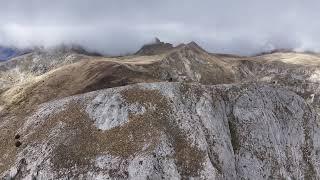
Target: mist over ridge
x,y
120,27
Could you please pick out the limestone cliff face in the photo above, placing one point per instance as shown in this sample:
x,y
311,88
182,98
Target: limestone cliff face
x,y
167,130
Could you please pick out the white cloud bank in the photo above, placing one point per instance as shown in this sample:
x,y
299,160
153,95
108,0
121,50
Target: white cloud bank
x,y
121,26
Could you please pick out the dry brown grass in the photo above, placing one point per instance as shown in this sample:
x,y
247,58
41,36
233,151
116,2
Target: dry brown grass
x,y
99,73
291,58
69,80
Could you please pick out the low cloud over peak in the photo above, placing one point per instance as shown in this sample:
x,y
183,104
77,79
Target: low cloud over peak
x,y
119,26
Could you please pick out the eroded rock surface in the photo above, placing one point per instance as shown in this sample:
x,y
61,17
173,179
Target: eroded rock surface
x,y
168,130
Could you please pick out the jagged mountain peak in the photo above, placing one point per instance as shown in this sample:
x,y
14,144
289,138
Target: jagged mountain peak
x,y
157,40
157,47
193,45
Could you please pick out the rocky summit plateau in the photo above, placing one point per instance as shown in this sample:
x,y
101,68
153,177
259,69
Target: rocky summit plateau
x,y
165,112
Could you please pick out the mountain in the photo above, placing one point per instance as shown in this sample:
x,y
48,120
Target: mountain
x,y
163,113
8,53
154,48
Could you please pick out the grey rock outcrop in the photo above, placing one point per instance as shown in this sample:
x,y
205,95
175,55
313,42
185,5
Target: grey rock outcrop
x,y
170,131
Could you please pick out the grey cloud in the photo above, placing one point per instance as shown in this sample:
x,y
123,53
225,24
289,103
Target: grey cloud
x,y
121,26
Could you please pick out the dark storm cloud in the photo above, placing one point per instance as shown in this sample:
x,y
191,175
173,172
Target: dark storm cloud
x,y
119,26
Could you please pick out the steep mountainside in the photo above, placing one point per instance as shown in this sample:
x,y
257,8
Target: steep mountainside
x,y
168,130
163,113
84,74
295,71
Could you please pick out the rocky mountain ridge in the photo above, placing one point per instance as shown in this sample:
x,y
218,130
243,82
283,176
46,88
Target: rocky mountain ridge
x,y
177,113
154,48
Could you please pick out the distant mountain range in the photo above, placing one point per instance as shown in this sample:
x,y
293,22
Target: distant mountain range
x,y
10,52
7,53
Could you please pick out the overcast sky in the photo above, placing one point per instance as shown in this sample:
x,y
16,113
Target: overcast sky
x,y
121,26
